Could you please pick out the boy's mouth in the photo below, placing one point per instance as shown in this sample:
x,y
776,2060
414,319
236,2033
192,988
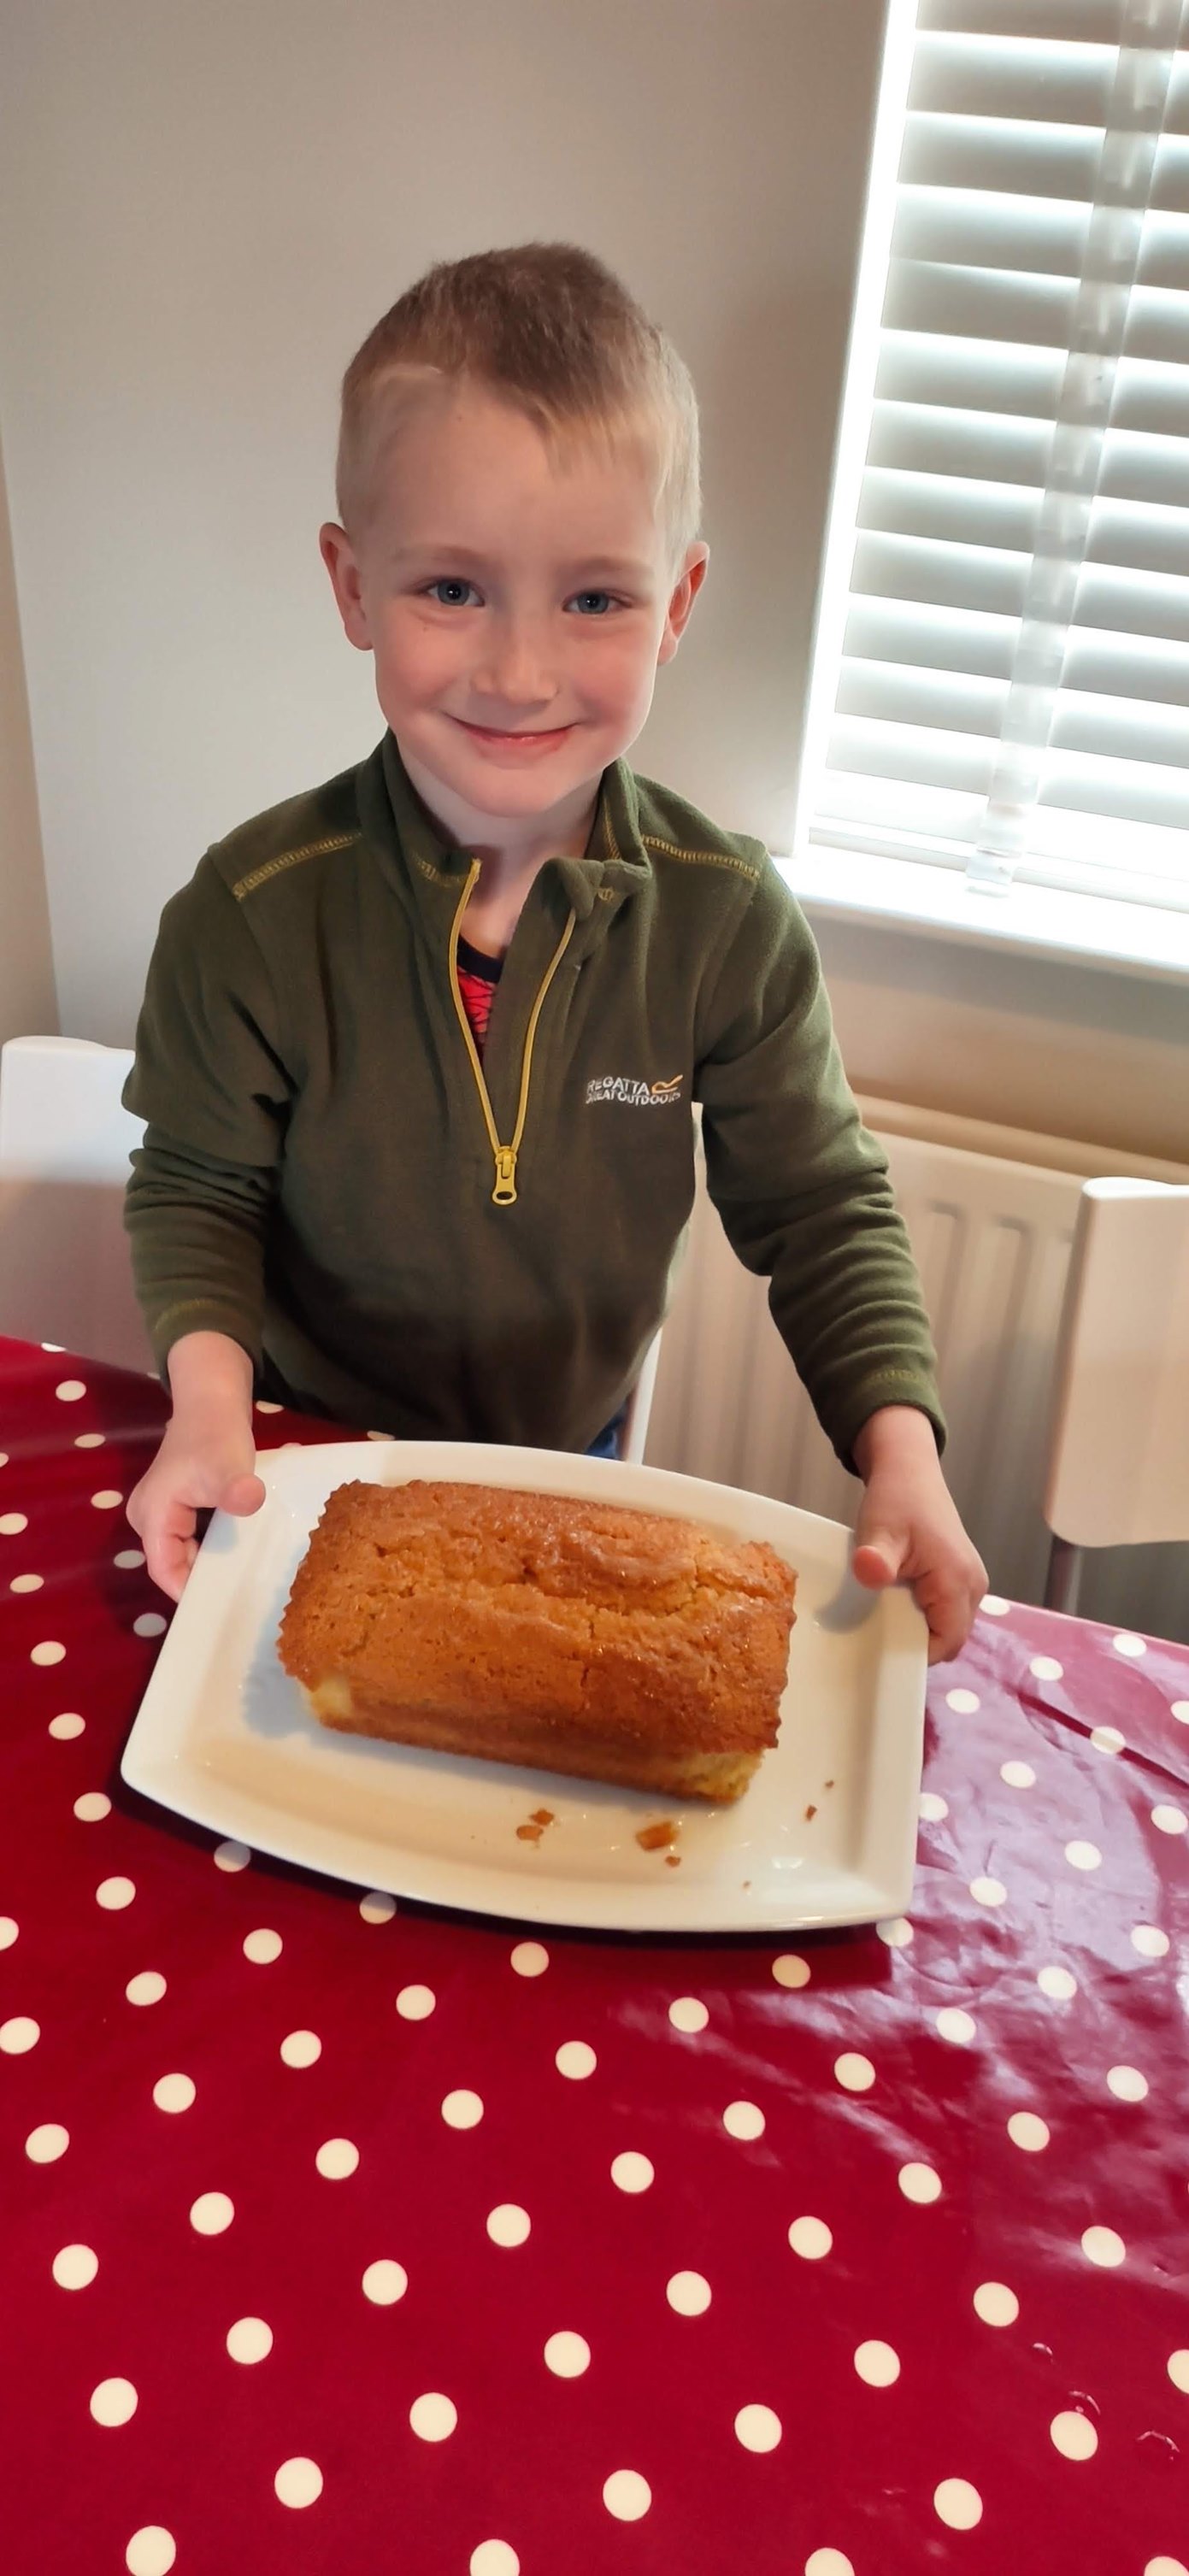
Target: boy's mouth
x,y
539,739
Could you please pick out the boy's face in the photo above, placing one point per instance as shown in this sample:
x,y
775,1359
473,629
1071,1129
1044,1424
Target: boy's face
x,y
518,604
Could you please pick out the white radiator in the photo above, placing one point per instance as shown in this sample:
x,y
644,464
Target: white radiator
x,y
991,1230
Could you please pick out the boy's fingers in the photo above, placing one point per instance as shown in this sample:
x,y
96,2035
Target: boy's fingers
x,y
949,1610
241,1495
877,1560
167,1565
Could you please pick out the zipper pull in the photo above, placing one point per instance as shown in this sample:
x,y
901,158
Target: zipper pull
x,y
504,1193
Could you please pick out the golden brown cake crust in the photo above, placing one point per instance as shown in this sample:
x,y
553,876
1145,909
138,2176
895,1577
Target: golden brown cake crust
x,y
533,1628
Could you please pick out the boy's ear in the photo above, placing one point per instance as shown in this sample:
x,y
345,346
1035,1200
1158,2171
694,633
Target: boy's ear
x,y
338,555
682,600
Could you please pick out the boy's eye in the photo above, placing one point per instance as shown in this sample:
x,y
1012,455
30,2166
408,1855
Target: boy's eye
x,y
593,603
450,591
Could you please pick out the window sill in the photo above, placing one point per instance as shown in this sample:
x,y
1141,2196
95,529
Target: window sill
x,y
1039,921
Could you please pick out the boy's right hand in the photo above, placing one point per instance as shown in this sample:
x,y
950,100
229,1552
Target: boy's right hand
x,y
206,1461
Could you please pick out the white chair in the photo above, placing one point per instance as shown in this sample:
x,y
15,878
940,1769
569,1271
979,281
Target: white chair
x,y
1119,1452
65,1271
634,1435
65,1141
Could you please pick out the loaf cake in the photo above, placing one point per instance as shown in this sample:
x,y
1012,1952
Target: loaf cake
x,y
570,1636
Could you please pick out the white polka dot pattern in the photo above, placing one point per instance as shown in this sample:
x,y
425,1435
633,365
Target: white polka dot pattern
x,y
211,2214
114,2402
75,2267
508,2225
854,2072
462,2110
174,2092
152,2551
433,2417
415,2003
627,2495
337,2159
44,2145
249,2340
810,2238
688,2294
19,2035
92,1807
759,2428
920,2183
1101,2245
820,2108
576,2058
1073,2435
147,1987
298,2482
957,2504
384,2283
996,2304
231,1856
631,2172
743,2120
301,2048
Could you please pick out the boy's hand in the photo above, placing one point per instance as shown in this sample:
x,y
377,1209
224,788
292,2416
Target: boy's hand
x,y
206,1461
908,1530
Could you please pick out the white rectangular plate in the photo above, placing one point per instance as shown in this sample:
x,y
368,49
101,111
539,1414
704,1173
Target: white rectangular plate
x,y
825,1834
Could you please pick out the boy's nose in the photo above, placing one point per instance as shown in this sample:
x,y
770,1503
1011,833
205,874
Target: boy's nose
x,y
514,672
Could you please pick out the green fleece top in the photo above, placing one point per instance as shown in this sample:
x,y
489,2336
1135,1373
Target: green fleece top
x,y
320,1176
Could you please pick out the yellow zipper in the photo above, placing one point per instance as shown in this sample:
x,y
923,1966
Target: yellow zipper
x,y
504,1193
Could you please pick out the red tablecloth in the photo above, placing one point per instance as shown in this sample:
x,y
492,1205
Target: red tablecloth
x,y
342,2235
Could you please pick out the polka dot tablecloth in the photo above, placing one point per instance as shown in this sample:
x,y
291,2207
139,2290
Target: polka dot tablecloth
x,y
346,2234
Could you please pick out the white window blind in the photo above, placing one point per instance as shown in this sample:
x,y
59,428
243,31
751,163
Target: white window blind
x,y
1002,679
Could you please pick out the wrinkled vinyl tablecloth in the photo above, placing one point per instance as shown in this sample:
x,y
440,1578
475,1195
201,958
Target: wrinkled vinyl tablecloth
x,y
342,2234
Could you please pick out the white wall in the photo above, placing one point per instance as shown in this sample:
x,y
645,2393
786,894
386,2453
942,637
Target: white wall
x,y
27,1000
207,207
201,211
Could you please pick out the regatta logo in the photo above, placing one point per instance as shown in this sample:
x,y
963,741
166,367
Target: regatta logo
x,y
634,1095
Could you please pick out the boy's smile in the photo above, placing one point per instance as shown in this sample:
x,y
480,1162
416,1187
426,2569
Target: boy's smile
x,y
498,740
518,599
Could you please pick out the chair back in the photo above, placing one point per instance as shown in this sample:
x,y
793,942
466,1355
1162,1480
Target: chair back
x,y
65,1142
1119,1454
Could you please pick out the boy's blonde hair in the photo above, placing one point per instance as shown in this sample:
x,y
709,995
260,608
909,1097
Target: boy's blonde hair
x,y
549,329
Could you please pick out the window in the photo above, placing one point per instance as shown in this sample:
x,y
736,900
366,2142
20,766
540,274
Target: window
x,y
1001,682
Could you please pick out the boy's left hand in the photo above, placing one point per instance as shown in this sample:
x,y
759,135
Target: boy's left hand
x,y
908,1530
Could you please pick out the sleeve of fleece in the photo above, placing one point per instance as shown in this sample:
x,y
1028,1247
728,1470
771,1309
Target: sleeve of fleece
x,y
210,1081
801,1186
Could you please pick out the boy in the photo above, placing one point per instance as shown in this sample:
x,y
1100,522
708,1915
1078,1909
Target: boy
x,y
419,1049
